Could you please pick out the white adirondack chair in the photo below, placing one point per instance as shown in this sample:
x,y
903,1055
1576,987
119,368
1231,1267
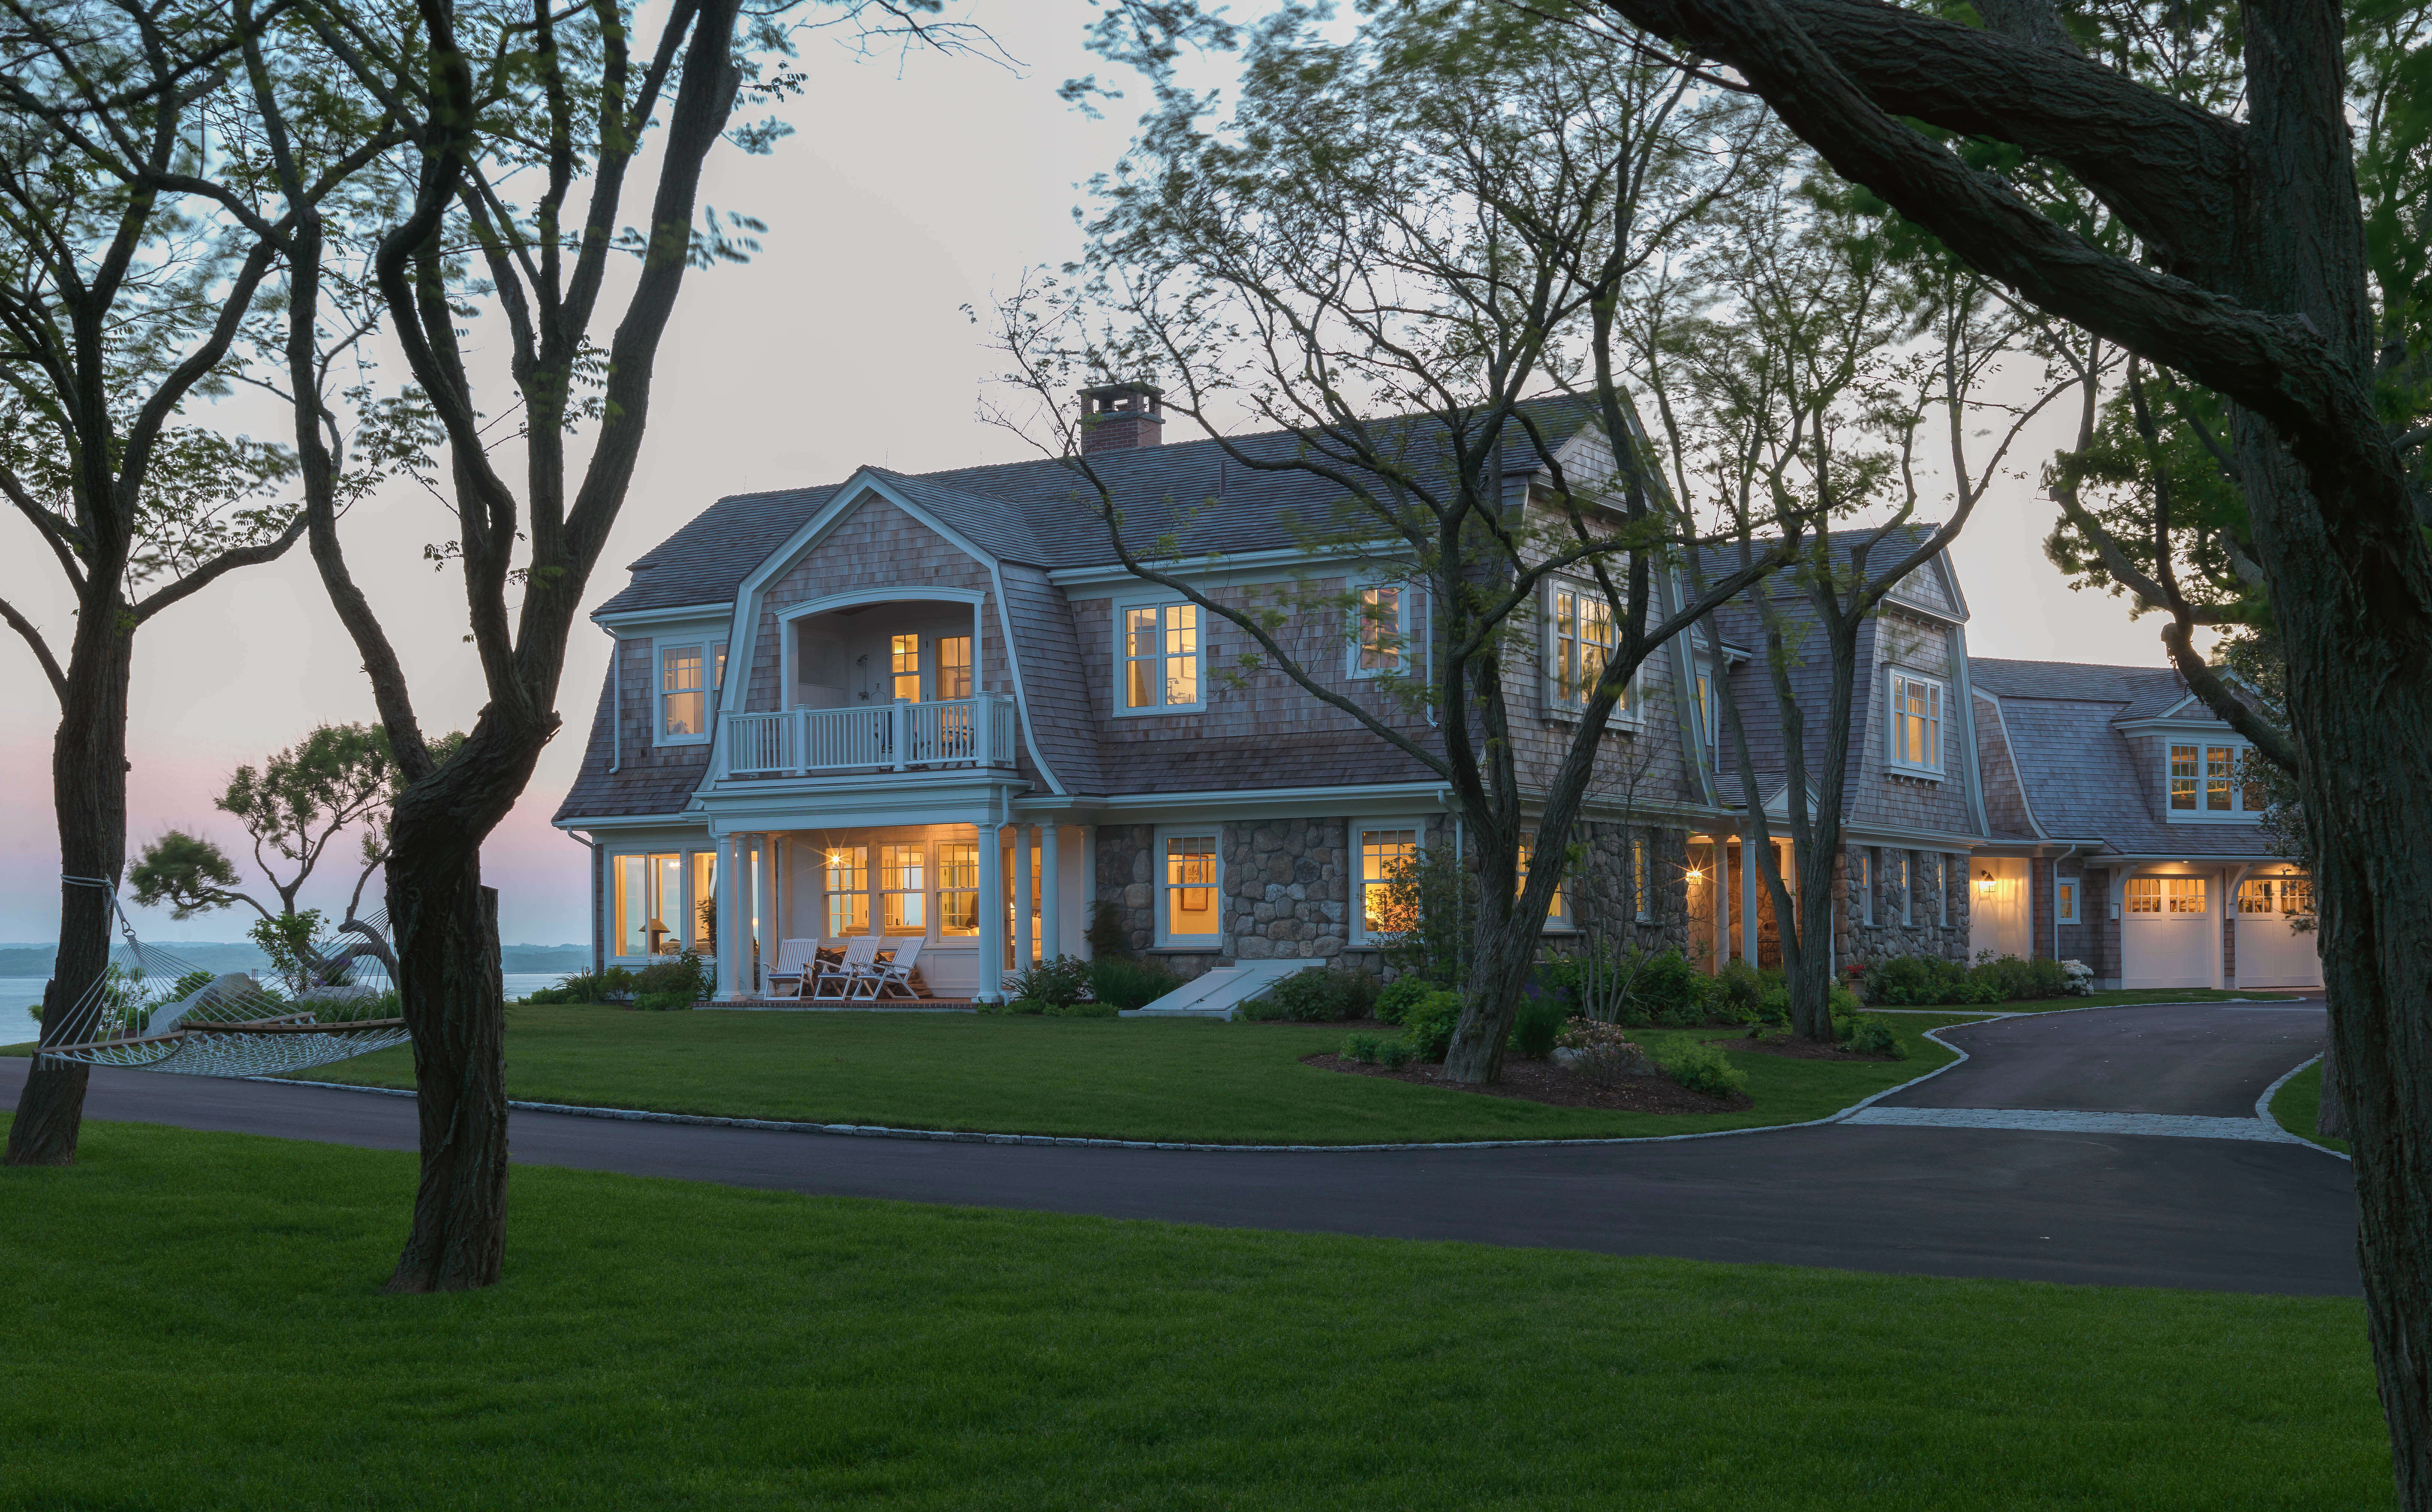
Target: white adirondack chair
x,y
795,960
859,951
896,973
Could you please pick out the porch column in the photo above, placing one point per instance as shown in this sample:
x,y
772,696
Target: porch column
x,y
1721,890
1089,884
1748,894
1050,878
1025,837
764,911
992,858
729,918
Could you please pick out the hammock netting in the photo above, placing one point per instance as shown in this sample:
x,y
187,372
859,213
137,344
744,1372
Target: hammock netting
x,y
152,1010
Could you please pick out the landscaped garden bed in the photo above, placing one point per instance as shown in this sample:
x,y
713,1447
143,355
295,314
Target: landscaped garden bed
x,y
1555,1086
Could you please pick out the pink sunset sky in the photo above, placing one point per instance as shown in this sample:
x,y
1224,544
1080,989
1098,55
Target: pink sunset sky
x,y
912,187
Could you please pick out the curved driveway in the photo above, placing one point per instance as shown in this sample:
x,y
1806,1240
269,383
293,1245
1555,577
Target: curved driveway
x,y
2066,1205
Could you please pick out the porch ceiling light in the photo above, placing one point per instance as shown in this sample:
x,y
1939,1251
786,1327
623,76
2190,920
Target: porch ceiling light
x,y
1984,882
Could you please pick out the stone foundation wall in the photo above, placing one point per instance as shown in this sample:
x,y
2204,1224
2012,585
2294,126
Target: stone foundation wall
x,y
1932,931
1288,889
1603,887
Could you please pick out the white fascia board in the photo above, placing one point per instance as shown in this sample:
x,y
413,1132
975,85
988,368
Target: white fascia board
x,y
1275,802
857,802
2164,723
628,821
1225,569
655,619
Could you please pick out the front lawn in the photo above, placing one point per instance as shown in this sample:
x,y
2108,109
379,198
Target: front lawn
x,y
1192,1080
2299,1102
194,1321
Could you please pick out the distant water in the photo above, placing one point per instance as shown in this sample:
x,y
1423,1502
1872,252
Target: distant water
x,y
17,994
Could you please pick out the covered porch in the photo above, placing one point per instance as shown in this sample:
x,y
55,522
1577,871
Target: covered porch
x,y
961,904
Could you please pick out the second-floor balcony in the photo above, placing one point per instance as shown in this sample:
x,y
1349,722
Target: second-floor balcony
x,y
899,737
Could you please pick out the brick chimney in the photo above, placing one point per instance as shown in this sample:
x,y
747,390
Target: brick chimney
x,y
1121,417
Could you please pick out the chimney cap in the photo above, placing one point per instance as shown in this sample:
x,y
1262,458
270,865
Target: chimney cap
x,y
1124,398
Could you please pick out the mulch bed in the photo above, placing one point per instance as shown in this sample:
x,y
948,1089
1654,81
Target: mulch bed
x,y
1798,1049
1544,1082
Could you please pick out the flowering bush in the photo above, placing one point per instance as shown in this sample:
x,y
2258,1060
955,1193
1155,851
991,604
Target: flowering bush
x,y
1601,1052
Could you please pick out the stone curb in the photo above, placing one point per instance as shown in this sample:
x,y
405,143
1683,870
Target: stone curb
x,y
2263,1111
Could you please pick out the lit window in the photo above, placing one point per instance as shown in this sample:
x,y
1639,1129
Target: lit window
x,y
847,877
2183,777
2216,775
2065,900
1707,713
1558,908
2296,895
1161,657
1384,854
1917,722
649,904
1901,885
1862,877
958,887
1380,648
1583,643
954,666
1193,885
904,664
2167,897
2206,780
1644,902
688,682
705,901
903,890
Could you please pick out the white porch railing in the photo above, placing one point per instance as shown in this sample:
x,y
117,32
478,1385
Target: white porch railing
x,y
892,736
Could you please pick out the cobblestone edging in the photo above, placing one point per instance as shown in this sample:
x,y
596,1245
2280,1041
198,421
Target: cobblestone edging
x,y
2075,1120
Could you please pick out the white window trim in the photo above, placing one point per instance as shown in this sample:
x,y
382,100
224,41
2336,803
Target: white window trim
x,y
1417,824
1908,889
2237,812
1627,714
1404,626
2073,889
689,909
1123,658
1166,939
1642,880
1865,881
1893,678
1708,711
713,665
1563,922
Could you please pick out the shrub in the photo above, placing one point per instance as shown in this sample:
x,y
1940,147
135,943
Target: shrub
x,y
1428,1023
1630,986
2015,980
1670,990
1601,1052
1362,1048
1539,1025
1080,1010
612,985
1869,1035
1842,1002
1773,1006
1128,983
1399,994
1700,1068
1322,997
1025,1005
686,974
1925,981
1257,1011
654,1002
1106,935
1739,992
1058,979
1396,1054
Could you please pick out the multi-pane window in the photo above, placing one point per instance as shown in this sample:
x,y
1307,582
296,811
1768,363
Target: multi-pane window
x,y
1707,713
2276,895
1901,885
1583,642
1380,632
705,901
1641,902
1862,882
2064,899
1558,907
903,890
846,876
689,676
1916,722
903,667
958,887
1384,854
1193,884
2167,897
954,666
1161,657
2205,780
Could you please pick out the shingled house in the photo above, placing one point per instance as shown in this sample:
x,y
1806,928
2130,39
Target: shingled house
x,y
938,706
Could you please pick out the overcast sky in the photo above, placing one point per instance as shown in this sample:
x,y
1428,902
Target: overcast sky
x,y
910,189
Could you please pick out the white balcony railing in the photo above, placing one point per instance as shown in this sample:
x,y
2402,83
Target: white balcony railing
x,y
891,737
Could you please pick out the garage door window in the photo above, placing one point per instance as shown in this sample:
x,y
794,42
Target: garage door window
x,y
2168,897
2276,895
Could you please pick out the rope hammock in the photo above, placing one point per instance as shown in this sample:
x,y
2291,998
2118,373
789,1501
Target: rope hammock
x,y
211,1024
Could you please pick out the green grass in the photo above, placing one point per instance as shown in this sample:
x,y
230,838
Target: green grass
x,y
194,1321
2299,1102
1194,1079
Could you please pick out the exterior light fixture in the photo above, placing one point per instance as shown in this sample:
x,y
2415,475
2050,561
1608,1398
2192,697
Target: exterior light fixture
x,y
1984,882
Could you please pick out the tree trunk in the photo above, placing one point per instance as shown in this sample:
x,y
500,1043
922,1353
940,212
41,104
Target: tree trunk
x,y
89,801
1809,973
447,957
2327,1122
1499,972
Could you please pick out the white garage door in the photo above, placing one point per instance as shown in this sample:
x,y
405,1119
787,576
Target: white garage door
x,y
2168,934
2271,951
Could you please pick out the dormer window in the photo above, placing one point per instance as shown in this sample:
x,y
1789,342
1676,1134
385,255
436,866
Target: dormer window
x,y
1915,711
1382,630
690,675
1580,635
2204,781
1159,658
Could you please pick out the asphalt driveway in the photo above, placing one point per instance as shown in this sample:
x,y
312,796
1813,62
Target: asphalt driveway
x,y
2116,1208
